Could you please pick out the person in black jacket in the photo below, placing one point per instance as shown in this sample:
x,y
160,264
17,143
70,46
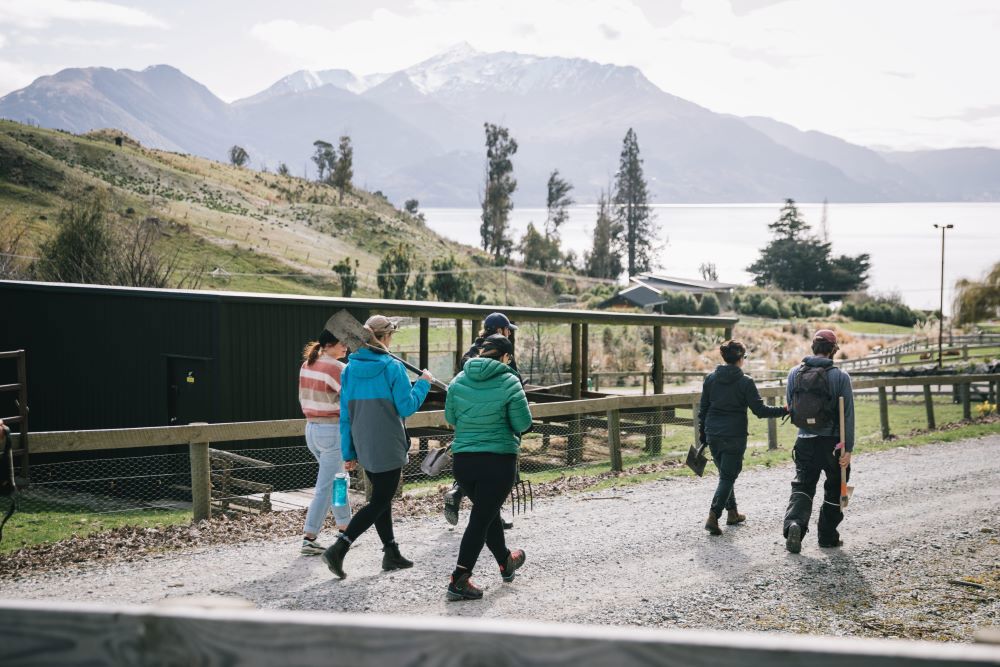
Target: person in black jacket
x,y
495,323
722,420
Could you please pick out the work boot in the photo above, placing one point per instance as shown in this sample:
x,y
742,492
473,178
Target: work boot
x,y
462,588
794,540
452,503
712,524
393,560
515,559
334,556
831,544
733,517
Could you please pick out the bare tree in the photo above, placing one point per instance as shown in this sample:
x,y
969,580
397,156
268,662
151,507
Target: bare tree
x,y
12,231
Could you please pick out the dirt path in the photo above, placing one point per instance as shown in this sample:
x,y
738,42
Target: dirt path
x,y
638,556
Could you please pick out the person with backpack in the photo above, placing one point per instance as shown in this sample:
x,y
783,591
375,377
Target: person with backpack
x,y
375,397
813,392
495,323
722,418
487,405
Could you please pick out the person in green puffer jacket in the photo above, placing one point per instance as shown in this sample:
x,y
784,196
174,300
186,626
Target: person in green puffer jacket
x,y
489,410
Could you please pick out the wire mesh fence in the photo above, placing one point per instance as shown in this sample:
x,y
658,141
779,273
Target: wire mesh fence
x,y
87,491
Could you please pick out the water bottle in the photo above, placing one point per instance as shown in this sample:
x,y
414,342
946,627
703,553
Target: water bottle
x,y
340,484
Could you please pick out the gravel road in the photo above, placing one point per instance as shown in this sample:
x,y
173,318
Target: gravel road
x,y
920,518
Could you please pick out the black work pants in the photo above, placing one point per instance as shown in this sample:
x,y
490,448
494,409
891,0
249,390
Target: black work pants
x,y
378,511
487,480
812,457
727,453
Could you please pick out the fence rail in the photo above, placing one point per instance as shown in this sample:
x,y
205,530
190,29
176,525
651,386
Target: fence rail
x,y
586,430
69,634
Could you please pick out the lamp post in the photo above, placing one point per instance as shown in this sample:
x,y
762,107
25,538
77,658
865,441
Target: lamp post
x,y
941,303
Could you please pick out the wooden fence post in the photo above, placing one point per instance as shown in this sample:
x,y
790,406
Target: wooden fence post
x,y
694,423
772,427
424,354
201,481
929,406
574,439
459,344
883,413
584,355
966,401
615,439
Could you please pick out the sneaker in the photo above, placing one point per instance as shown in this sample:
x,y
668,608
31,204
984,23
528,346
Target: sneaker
x,y
794,540
515,559
463,588
451,506
311,547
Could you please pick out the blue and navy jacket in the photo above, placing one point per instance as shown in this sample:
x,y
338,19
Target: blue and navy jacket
x,y
375,398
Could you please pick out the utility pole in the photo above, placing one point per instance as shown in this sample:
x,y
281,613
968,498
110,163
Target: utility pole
x,y
941,303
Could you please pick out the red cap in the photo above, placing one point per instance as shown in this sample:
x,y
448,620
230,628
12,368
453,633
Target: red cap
x,y
827,335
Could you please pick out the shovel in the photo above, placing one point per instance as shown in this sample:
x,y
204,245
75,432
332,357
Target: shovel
x,y
845,491
696,459
354,335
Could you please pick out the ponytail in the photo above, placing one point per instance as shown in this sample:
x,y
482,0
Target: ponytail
x,y
310,353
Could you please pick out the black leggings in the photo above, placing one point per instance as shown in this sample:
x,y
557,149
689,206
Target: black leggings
x,y
378,511
487,480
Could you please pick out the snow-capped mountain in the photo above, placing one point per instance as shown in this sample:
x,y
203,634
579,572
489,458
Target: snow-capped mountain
x,y
418,132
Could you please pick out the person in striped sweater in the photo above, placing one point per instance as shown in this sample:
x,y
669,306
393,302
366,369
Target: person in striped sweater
x,y
319,397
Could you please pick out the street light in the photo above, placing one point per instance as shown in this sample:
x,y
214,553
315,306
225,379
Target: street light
x,y
941,305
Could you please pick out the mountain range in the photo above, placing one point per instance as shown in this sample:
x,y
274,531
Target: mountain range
x,y
418,133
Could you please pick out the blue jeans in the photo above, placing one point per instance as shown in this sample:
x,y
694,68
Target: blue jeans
x,y
323,440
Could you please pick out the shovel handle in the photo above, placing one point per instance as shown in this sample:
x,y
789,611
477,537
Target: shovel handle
x,y
413,369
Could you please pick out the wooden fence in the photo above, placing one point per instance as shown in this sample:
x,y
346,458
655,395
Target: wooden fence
x,y
604,413
39,633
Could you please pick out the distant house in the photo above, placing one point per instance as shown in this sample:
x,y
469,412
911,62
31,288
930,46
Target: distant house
x,y
647,289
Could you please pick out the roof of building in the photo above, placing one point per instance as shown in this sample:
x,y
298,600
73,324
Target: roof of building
x,y
661,282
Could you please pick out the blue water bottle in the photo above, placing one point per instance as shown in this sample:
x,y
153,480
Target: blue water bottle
x,y
340,483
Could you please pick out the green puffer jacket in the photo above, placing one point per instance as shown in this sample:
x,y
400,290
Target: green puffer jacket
x,y
488,408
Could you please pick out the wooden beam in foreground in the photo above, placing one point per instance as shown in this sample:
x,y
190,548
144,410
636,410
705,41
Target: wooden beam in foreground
x,y
70,634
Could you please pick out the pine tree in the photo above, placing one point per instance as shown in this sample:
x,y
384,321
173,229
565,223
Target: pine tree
x,y
556,204
500,185
342,170
348,276
604,260
631,203
238,156
394,272
448,283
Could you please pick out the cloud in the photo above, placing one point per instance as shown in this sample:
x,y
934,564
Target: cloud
x,y
609,32
37,14
987,112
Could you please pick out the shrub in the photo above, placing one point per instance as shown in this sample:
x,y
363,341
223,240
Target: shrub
x,y
769,308
709,305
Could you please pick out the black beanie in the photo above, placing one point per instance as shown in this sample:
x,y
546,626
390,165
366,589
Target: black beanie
x,y
327,338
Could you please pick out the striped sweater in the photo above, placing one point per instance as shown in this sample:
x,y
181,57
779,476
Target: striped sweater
x,y
319,390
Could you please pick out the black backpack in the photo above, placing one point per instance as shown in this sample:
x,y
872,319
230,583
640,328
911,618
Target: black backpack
x,y
812,402
8,486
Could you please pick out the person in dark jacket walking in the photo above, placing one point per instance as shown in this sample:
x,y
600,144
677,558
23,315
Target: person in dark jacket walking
x,y
816,446
488,407
375,397
722,418
495,323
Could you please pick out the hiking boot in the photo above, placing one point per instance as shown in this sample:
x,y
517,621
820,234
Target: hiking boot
x,y
832,545
393,560
733,517
333,557
462,588
311,547
515,559
452,503
712,524
794,540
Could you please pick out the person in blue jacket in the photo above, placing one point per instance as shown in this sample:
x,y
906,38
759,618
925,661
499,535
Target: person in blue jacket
x,y
375,397
722,416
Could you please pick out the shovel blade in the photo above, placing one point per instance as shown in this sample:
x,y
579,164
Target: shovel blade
x,y
348,330
696,460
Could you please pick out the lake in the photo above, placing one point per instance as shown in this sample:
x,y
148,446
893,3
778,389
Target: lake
x,y
905,248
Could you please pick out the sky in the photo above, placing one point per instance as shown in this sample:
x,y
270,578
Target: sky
x,y
898,74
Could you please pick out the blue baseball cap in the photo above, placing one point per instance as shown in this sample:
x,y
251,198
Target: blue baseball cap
x,y
498,321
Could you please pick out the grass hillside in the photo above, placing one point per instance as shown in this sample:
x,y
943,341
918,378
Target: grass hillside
x,y
220,216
